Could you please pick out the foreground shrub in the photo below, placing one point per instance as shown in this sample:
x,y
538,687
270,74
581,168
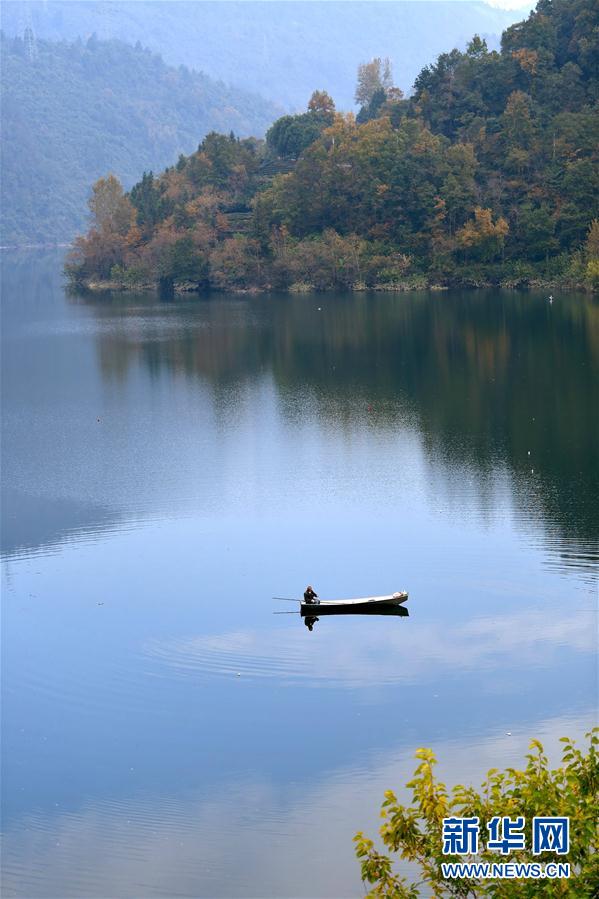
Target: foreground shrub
x,y
415,831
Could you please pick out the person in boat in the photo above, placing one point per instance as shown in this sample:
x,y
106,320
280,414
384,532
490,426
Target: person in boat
x,y
310,595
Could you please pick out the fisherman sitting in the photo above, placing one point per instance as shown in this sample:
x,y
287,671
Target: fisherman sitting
x,y
310,595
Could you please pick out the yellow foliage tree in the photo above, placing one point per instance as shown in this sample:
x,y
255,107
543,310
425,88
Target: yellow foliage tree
x,y
112,212
483,235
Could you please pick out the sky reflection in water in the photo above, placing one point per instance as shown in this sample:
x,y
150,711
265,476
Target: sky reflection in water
x,y
167,469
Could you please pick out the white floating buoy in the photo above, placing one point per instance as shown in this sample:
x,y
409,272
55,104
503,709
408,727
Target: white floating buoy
x,y
320,308
508,733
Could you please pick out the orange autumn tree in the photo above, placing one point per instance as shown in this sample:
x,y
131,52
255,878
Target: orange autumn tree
x,y
113,230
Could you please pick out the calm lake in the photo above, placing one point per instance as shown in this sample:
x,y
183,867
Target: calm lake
x,y
169,467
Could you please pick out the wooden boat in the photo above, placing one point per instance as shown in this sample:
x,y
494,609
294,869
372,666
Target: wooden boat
x,y
356,606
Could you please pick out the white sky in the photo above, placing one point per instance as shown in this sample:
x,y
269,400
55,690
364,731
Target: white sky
x,y
511,4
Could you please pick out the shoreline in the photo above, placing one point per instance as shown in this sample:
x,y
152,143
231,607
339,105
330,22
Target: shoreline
x,y
408,286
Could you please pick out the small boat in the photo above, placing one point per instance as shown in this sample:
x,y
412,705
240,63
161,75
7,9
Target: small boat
x,y
364,604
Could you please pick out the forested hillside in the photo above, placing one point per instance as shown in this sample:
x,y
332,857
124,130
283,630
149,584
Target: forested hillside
x,y
71,111
281,50
488,173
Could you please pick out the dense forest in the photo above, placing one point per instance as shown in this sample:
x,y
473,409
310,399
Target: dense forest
x,y
71,111
280,50
486,174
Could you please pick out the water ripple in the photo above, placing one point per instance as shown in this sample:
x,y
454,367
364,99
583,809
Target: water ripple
x,y
381,655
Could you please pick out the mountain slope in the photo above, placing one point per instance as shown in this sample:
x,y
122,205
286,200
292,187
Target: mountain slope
x,y
71,112
281,50
488,173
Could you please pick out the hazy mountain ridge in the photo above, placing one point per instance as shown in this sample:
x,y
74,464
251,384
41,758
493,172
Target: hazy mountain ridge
x,y
281,50
73,111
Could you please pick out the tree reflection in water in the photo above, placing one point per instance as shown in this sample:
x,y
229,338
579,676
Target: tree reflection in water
x,y
492,379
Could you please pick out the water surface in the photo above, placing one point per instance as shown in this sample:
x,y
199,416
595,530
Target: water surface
x,y
170,467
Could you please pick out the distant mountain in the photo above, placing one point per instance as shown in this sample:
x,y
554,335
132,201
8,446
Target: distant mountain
x,y
281,50
74,111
